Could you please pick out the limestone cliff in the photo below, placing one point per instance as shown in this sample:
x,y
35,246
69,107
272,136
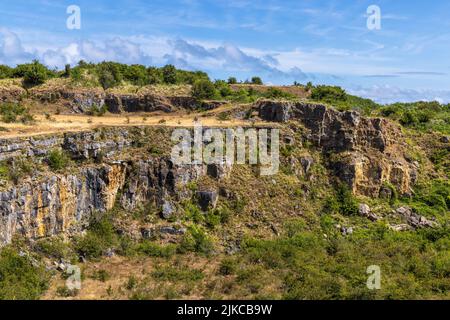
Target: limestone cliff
x,y
366,153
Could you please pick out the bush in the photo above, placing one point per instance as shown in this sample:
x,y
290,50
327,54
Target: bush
x,y
20,278
13,112
109,74
95,110
275,93
154,75
343,202
5,72
227,267
196,240
154,250
232,80
329,94
53,247
136,74
223,88
169,73
14,169
257,80
34,73
204,89
101,235
57,160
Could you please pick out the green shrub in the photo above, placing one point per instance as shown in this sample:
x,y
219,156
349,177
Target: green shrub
x,y
101,275
95,110
275,93
257,80
20,278
328,94
109,74
53,247
154,75
154,250
5,72
196,240
100,236
136,74
34,73
216,217
177,274
65,292
14,169
57,160
342,202
169,74
228,266
204,89
193,212
232,80
13,112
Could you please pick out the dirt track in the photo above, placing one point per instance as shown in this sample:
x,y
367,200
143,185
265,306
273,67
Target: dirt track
x,y
73,123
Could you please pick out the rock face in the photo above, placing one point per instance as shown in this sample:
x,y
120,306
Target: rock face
x,y
48,204
274,111
63,203
82,100
367,152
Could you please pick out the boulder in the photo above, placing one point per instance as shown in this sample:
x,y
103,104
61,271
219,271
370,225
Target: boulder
x,y
414,219
207,199
306,162
364,209
167,209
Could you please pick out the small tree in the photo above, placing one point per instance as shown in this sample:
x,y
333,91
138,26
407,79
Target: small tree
x,y
169,73
204,89
232,80
67,71
57,160
154,75
257,80
5,72
35,74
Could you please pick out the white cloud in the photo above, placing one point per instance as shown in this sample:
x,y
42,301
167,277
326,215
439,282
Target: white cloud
x,y
11,49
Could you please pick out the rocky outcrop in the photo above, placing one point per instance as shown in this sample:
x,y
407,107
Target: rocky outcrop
x,y
83,100
274,111
34,146
366,152
64,203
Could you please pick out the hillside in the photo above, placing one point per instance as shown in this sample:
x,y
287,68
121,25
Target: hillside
x,y
87,180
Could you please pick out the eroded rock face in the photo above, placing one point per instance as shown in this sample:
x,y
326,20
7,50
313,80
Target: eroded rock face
x,y
366,152
274,111
64,203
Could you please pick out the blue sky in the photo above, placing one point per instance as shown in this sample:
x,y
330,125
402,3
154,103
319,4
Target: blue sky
x,y
282,41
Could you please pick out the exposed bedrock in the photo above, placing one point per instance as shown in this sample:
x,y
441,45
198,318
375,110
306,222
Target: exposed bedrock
x,y
366,153
64,203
